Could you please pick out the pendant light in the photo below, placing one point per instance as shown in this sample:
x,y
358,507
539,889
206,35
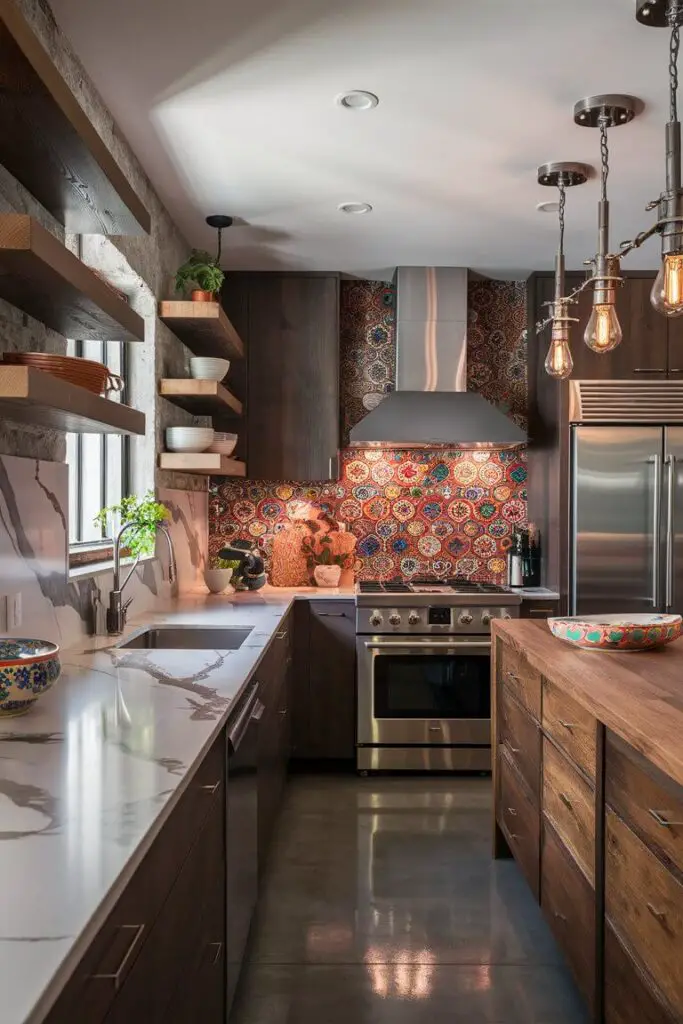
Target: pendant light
x,y
559,363
603,331
667,292
219,221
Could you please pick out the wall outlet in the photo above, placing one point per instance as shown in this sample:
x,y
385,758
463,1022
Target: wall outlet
x,y
14,610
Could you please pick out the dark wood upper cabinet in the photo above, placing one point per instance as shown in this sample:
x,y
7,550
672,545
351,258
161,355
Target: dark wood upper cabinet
x,y
290,325
644,351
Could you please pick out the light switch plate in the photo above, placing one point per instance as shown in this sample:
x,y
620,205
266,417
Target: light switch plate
x,y
14,610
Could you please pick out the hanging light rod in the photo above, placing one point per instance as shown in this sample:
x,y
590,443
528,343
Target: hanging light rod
x,y
219,221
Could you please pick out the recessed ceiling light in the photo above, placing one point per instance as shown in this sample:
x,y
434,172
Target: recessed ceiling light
x,y
358,99
548,207
354,207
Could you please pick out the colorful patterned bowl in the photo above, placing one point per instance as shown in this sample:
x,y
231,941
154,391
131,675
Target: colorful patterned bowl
x,y
28,668
617,632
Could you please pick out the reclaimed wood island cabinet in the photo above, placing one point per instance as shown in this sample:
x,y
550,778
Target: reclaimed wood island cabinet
x,y
588,782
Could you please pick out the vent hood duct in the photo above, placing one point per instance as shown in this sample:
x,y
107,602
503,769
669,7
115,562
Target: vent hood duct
x,y
431,406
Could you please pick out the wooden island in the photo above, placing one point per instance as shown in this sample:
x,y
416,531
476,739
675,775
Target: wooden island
x,y
588,783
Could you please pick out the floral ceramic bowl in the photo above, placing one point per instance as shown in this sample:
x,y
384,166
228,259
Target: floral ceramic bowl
x,y
28,668
617,632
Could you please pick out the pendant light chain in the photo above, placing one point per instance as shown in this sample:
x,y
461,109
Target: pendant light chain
x,y
604,155
563,200
674,19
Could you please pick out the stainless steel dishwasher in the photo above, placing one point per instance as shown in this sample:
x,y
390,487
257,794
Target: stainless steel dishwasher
x,y
242,833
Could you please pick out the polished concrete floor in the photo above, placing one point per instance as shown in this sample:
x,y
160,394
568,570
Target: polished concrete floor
x,y
382,904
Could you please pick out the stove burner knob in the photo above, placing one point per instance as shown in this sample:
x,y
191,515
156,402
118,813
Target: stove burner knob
x,y
486,619
413,618
506,615
465,619
394,619
375,619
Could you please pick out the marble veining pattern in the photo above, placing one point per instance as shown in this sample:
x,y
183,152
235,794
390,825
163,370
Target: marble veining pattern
x,y
88,777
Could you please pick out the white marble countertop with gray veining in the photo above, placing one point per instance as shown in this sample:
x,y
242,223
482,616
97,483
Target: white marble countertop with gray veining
x,y
89,776
537,594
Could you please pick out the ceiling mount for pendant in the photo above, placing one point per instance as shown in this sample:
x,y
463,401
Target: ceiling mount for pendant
x,y
566,172
656,13
611,110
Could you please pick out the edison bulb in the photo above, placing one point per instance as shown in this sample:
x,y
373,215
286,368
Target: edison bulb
x,y
603,332
667,291
559,362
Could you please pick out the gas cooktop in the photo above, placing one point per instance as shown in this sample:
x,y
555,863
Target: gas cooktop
x,y
450,586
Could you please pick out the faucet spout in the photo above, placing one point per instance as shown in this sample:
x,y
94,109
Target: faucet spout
x,y
172,565
116,612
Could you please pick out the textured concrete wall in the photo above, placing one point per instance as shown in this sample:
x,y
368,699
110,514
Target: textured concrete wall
x,y
153,258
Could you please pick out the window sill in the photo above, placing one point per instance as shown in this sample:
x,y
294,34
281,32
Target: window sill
x,y
81,572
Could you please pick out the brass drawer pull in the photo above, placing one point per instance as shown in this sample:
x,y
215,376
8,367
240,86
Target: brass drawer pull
x,y
218,946
212,789
137,929
658,915
281,635
566,801
569,726
661,820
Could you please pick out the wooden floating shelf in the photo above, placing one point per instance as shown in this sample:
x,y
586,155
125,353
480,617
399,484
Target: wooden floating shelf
x,y
207,463
201,397
48,143
31,396
41,277
203,327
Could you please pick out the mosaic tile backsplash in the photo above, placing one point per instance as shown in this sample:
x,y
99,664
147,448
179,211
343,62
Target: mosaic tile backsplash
x,y
412,512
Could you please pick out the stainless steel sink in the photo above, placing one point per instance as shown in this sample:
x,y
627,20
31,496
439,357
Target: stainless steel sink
x,y
196,638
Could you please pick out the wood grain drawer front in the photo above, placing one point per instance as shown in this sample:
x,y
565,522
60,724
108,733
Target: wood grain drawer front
x,y
646,799
569,805
523,680
520,821
630,996
572,728
522,739
568,902
644,905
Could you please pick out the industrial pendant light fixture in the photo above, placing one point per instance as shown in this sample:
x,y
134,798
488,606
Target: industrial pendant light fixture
x,y
603,331
559,361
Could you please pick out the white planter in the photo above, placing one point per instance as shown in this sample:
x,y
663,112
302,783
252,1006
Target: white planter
x,y
217,580
327,575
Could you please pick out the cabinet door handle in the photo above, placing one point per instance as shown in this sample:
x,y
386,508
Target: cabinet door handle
x,y
115,978
661,820
285,712
281,635
513,677
656,369
512,812
659,915
569,726
212,789
566,801
331,615
541,611
559,916
218,946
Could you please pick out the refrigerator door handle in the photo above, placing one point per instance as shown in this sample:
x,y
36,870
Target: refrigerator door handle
x,y
670,462
656,528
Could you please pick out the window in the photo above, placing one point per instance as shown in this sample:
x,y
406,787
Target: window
x,y
99,464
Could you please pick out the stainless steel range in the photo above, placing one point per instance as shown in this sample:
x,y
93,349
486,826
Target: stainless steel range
x,y
424,663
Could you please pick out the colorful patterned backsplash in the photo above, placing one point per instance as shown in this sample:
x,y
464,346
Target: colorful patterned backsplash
x,y
412,512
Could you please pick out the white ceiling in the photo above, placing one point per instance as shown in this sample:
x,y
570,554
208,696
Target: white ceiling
x,y
230,106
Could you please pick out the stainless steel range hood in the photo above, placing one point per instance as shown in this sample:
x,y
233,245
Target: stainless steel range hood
x,y
431,406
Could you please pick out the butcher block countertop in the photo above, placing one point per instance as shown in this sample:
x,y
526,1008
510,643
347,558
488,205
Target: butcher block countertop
x,y
638,695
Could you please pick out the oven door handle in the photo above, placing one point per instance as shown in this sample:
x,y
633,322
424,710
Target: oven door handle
x,y
442,644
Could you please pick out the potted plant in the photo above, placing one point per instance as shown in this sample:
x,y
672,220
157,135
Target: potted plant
x,y
201,269
325,564
142,517
219,575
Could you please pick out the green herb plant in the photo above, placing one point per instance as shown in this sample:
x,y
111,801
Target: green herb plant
x,y
224,563
200,269
146,513
319,552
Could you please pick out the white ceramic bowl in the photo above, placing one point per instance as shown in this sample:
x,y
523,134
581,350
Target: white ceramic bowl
x,y
188,439
218,580
209,368
223,444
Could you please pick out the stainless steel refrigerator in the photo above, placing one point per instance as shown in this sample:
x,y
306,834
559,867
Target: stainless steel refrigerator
x,y
626,536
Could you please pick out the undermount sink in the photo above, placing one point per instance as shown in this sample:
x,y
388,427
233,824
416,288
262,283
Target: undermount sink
x,y
196,638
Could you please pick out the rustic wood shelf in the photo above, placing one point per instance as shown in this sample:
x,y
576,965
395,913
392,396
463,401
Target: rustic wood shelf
x,y
48,143
28,395
201,397
41,277
206,463
203,327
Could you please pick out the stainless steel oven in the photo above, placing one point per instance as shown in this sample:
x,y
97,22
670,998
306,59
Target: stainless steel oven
x,y
424,703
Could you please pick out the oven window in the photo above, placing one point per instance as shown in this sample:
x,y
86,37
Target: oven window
x,y
432,686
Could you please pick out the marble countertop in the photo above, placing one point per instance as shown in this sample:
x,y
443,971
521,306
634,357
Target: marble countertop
x,y
537,594
89,776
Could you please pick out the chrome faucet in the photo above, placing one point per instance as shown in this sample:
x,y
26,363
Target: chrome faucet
x,y
116,612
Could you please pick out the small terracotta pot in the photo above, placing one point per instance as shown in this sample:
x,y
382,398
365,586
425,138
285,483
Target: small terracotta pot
x,y
199,296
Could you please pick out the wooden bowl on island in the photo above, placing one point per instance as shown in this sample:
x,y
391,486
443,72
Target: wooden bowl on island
x,y
617,632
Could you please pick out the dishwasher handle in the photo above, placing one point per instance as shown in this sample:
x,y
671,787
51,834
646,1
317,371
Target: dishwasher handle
x,y
238,729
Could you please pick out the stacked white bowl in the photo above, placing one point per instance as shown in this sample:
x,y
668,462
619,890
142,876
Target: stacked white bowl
x,y
189,439
209,368
223,444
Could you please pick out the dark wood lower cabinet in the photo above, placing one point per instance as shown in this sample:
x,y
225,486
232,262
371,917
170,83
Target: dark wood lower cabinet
x,y
630,997
274,676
